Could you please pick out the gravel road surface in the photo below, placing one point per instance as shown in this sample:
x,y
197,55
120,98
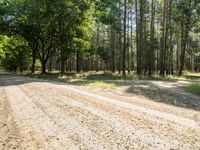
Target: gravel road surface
x,y
43,115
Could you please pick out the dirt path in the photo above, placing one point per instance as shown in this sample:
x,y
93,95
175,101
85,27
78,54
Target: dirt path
x,y
44,115
9,133
169,92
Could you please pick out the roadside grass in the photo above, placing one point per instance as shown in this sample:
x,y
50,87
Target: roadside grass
x,y
105,84
51,75
80,79
114,77
108,79
194,88
192,75
48,76
98,83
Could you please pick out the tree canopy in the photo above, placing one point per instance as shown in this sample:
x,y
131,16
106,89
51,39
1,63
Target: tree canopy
x,y
146,36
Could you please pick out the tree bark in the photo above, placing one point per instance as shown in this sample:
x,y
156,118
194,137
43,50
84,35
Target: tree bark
x,y
78,62
137,39
140,35
97,44
171,55
33,60
112,47
43,66
50,64
124,44
164,38
187,16
151,54
62,67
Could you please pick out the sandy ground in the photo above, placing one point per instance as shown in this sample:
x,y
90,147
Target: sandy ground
x,y
36,114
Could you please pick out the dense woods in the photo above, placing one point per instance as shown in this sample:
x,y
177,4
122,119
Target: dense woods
x,y
144,36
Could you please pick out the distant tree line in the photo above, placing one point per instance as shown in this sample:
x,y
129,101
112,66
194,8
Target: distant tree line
x,y
143,36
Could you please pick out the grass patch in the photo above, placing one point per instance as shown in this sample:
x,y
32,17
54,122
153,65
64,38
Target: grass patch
x,y
80,79
92,77
192,75
52,76
109,76
100,83
194,88
104,84
128,77
48,76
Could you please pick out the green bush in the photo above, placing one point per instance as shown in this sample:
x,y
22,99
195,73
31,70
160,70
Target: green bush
x,y
17,55
38,64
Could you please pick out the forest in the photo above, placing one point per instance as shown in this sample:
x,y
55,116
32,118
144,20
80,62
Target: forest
x,y
99,74
146,37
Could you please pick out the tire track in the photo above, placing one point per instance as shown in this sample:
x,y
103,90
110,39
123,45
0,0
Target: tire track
x,y
62,117
62,98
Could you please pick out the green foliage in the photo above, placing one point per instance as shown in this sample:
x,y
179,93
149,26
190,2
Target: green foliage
x,y
38,64
103,53
17,55
59,29
3,41
50,26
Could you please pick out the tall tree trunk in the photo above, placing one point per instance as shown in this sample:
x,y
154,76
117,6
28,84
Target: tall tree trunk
x,y
151,55
128,42
140,35
70,62
137,39
164,38
50,64
119,40
62,56
97,43
186,27
44,58
124,44
33,60
43,66
78,62
171,55
62,51
132,53
112,47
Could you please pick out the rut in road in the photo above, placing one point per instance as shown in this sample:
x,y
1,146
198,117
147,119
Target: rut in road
x,y
9,133
56,116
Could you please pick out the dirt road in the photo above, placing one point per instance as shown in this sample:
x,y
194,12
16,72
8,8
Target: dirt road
x,y
36,114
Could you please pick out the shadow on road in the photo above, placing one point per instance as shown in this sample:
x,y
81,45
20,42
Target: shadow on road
x,y
170,94
160,91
